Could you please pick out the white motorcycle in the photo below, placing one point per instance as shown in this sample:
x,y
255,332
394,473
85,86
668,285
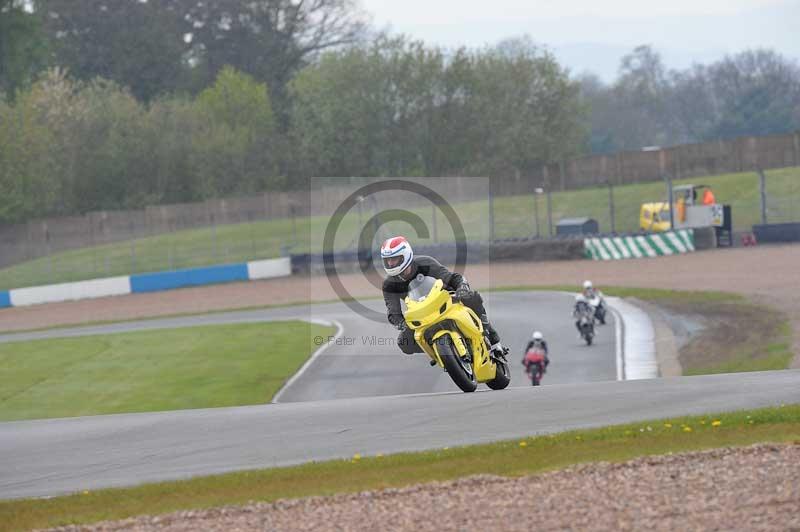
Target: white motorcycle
x,y
598,304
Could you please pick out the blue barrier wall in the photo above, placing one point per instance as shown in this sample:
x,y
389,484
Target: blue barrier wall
x,y
5,299
154,282
786,232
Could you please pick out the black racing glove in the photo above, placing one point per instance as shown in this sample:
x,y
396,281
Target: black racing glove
x,y
463,291
401,325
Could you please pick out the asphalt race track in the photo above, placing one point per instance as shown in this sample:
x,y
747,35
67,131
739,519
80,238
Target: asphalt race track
x,y
49,457
365,361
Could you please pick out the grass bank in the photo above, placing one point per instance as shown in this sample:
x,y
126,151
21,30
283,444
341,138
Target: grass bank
x,y
510,458
513,217
169,369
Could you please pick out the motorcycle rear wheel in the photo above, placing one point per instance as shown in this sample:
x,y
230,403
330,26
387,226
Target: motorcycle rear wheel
x,y
459,369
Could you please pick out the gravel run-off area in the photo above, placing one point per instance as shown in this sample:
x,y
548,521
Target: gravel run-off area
x,y
748,489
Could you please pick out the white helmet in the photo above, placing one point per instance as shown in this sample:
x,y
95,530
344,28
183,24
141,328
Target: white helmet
x,y
538,336
580,298
396,254
587,285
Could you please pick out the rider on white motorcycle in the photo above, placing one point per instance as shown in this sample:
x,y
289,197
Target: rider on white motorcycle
x,y
581,307
402,266
596,300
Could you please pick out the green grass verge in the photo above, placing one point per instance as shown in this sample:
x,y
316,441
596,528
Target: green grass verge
x,y
767,348
172,369
513,218
509,458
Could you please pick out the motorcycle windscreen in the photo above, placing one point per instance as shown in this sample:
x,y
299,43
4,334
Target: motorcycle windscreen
x,y
420,287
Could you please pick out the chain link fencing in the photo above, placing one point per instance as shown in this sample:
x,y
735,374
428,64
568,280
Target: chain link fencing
x,y
233,231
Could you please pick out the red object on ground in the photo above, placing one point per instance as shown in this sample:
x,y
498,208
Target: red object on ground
x,y
749,239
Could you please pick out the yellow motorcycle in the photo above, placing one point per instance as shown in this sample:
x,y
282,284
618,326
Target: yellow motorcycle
x,y
452,335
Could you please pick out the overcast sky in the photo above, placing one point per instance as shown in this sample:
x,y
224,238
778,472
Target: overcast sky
x,y
594,35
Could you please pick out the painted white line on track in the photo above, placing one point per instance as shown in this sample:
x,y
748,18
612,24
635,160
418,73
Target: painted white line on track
x,y
318,352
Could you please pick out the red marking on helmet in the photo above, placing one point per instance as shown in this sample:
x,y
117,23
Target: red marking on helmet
x,y
396,241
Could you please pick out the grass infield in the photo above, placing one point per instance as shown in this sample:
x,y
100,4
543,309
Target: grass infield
x,y
166,369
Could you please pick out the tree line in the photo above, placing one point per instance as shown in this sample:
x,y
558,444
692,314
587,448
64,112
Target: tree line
x,y
121,104
754,92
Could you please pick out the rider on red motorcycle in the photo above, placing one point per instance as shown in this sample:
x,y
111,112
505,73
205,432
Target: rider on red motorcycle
x,y
537,341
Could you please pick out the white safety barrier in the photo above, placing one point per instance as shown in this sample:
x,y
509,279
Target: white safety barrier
x,y
266,269
117,286
110,286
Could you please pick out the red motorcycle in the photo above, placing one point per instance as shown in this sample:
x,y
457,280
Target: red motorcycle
x,y
534,365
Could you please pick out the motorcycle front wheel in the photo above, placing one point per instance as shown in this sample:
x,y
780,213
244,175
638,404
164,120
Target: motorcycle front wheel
x,y
501,378
459,369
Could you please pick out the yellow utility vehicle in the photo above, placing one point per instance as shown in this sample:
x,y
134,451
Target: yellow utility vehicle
x,y
654,217
694,206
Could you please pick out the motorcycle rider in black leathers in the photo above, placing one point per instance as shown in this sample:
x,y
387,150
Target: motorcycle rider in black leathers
x,y
402,266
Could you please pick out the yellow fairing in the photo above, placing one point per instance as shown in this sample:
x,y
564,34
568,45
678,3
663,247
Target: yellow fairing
x,y
438,307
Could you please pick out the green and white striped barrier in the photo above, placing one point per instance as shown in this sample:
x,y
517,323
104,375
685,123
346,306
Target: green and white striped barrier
x,y
636,247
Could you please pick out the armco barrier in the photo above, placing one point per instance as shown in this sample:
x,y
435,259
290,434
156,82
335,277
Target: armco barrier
x,y
148,282
639,246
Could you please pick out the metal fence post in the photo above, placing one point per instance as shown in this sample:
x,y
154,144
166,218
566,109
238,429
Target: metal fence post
x,y
133,247
250,225
49,254
536,194
611,207
491,213
294,223
668,181
434,223
549,213
214,236
762,180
